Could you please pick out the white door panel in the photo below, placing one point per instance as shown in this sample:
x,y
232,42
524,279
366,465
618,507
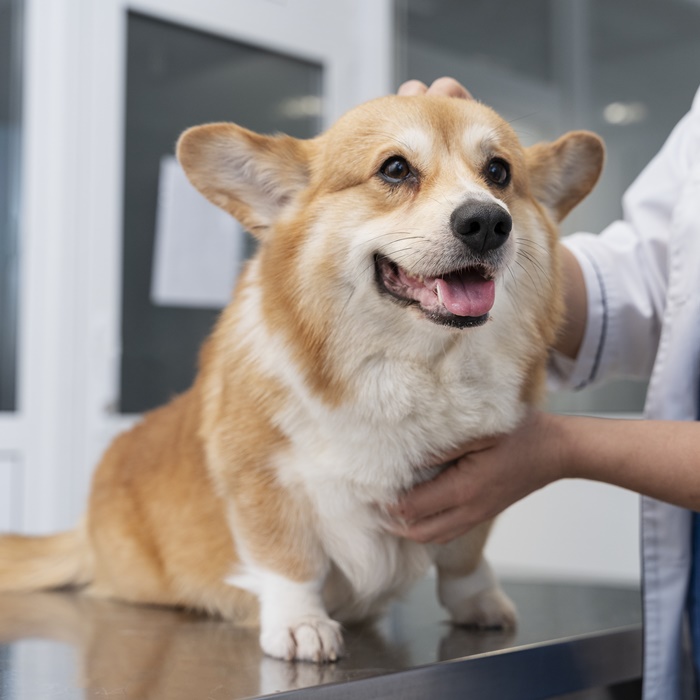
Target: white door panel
x,y
10,493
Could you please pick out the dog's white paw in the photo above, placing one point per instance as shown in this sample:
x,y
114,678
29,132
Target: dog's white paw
x,y
488,609
476,600
309,638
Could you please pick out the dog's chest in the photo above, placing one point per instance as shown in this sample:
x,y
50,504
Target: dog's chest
x,y
354,459
368,565
402,414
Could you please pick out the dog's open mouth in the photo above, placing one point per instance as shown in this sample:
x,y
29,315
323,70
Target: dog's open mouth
x,y
461,298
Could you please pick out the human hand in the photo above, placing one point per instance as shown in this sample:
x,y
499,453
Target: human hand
x,y
447,87
492,475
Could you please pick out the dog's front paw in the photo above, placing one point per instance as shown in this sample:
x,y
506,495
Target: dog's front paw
x,y
309,638
488,609
476,600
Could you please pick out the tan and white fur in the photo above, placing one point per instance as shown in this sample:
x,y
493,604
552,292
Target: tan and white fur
x,y
356,350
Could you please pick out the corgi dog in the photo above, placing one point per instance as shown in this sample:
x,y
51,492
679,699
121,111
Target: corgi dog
x,y
403,299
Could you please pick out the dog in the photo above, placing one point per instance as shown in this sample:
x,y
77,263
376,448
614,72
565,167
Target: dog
x,y
403,299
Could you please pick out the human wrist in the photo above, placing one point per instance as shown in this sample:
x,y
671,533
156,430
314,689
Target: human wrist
x,y
556,430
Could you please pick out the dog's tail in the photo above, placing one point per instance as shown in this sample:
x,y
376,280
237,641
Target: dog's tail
x,y
38,563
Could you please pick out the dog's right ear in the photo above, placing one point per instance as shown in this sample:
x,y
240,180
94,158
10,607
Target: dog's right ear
x,y
251,176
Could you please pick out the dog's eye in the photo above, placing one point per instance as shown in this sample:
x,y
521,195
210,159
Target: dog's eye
x,y
395,169
498,172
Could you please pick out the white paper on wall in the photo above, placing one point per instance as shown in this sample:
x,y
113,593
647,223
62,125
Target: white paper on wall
x,y
198,247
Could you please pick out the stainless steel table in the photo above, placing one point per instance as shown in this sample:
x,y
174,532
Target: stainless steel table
x,y
63,646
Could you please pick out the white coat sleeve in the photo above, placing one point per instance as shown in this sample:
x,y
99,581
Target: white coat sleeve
x,y
626,268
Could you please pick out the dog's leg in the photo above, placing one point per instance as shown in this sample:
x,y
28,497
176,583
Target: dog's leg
x,y
282,561
467,586
294,623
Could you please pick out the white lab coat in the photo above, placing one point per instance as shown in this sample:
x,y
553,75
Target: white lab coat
x,y
643,282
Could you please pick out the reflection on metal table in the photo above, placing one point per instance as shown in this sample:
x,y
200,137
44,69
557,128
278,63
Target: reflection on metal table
x,y
571,637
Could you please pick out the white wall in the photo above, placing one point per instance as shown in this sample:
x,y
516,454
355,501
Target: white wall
x,y
570,530
9,490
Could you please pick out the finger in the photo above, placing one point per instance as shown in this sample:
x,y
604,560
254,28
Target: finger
x,y
449,87
465,449
412,88
440,528
429,498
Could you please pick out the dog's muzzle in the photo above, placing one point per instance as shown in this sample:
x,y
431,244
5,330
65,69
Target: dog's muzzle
x,y
461,296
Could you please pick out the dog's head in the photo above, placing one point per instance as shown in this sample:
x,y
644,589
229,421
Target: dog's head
x,y
415,208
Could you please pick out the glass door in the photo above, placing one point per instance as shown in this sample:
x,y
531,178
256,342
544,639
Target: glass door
x,y
176,77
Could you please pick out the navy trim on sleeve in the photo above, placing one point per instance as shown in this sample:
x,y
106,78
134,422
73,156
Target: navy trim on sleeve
x,y
604,323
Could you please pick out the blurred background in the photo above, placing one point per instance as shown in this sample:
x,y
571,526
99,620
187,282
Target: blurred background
x,y
112,271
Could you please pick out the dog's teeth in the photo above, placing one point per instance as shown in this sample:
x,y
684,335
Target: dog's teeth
x,y
439,294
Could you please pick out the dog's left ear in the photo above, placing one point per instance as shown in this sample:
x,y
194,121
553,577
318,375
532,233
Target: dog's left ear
x,y
563,172
251,176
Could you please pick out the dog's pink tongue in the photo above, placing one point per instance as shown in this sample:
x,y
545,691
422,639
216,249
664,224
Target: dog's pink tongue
x,y
468,294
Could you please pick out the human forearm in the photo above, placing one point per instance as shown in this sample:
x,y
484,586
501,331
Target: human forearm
x,y
570,337
656,458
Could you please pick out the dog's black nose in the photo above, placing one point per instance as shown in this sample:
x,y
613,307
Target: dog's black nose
x,y
480,226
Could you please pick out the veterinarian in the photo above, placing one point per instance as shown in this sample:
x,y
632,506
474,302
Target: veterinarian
x,y
633,309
